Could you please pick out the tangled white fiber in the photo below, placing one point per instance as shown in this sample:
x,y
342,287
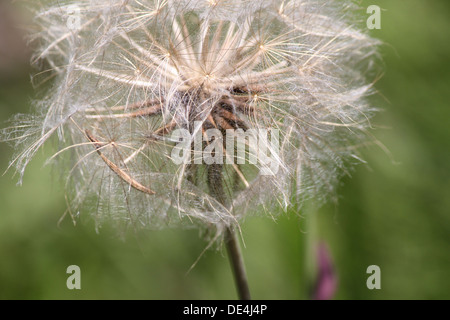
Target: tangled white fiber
x,y
126,74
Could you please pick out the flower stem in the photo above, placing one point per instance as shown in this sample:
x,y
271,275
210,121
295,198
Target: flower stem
x,y
237,264
215,183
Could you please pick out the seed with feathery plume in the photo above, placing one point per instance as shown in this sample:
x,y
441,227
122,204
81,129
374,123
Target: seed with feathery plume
x,y
131,73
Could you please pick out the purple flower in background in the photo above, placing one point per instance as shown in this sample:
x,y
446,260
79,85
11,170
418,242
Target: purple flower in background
x,y
326,283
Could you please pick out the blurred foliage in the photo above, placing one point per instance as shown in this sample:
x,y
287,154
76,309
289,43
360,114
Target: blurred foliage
x,y
394,212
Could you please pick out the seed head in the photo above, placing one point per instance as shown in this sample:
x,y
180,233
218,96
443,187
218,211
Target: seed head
x,y
127,74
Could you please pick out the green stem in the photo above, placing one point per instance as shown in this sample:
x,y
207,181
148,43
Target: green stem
x,y
215,183
310,274
237,264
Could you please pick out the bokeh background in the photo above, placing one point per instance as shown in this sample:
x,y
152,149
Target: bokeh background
x,y
394,212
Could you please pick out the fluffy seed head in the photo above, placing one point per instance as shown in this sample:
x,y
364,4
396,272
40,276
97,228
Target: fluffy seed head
x,y
126,74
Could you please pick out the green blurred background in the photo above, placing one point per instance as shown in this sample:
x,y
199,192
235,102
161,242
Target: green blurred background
x,y
393,213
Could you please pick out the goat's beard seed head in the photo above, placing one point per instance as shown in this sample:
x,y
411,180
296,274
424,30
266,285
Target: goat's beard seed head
x,y
127,74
